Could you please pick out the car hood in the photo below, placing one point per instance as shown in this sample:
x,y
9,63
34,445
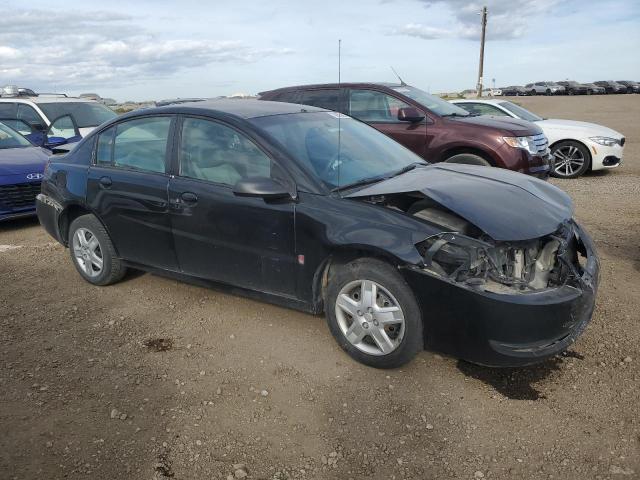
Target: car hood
x,y
587,129
506,205
513,126
26,160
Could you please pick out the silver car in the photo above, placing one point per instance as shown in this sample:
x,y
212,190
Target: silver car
x,y
544,88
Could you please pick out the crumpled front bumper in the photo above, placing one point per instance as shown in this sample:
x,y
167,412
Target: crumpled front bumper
x,y
505,329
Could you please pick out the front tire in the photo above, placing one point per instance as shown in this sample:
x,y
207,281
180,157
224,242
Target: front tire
x,y
373,314
93,253
571,159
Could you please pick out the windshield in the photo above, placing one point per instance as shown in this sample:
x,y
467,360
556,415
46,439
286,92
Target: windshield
x,y
312,139
85,114
9,138
433,103
521,112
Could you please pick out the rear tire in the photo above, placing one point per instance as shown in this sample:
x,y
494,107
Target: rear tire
x,y
93,253
373,314
468,159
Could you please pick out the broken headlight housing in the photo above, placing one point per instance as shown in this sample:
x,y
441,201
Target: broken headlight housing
x,y
502,267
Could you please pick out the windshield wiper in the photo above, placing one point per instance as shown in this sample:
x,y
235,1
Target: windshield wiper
x,y
407,168
379,178
360,183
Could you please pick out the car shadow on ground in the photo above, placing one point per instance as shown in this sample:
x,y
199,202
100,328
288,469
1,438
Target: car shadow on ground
x,y
18,223
516,383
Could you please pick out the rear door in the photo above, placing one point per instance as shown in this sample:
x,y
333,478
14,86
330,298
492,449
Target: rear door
x,y
127,188
380,110
243,241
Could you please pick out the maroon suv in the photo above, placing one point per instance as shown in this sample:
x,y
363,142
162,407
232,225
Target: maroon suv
x,y
431,127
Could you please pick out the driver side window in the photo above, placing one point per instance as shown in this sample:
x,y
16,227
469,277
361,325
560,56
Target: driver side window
x,y
372,106
216,153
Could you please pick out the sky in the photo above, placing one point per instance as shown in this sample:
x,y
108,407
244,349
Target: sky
x,y
146,50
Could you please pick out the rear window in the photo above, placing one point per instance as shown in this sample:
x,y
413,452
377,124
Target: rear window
x,y
85,114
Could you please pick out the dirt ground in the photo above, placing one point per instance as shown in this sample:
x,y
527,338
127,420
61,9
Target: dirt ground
x,y
243,382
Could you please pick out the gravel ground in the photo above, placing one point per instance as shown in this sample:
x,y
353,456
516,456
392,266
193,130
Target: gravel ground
x,y
153,379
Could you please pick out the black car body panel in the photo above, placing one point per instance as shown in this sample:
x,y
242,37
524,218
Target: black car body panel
x,y
281,249
496,202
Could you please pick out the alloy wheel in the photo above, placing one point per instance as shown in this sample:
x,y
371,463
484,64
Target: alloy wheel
x,y
370,317
568,160
87,252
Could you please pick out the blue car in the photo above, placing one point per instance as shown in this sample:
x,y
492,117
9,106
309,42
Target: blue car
x,y
21,170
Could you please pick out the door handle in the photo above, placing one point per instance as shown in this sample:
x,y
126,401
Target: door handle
x,y
106,182
189,197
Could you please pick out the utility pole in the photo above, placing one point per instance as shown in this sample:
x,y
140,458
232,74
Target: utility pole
x,y
484,28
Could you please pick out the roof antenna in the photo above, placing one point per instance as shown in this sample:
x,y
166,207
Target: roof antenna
x,y
396,74
339,104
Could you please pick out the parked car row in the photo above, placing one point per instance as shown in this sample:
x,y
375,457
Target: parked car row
x,y
32,127
568,87
576,146
477,132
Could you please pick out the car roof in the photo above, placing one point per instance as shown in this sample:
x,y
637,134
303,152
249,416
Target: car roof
x,y
336,85
241,108
47,99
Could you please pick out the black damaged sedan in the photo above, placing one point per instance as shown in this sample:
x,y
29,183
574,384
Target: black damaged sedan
x,y
317,211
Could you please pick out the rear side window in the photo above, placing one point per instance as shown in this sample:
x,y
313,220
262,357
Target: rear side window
x,y
320,98
216,153
139,144
372,106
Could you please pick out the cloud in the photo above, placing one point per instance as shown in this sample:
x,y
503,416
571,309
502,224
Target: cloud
x,y
39,48
508,19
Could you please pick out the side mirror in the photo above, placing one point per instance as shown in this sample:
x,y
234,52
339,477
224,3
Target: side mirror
x,y
410,114
262,187
38,127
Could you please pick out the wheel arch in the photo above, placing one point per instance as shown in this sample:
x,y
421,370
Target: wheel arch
x,y
470,150
340,256
68,215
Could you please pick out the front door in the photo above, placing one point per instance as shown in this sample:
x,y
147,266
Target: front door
x,y
127,188
380,110
247,242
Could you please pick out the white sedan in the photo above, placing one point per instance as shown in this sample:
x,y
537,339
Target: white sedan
x,y
575,146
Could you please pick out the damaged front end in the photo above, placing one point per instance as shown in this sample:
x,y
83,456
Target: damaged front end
x,y
506,267
499,302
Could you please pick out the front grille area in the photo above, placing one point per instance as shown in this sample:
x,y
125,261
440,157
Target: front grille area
x,y
21,195
541,143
